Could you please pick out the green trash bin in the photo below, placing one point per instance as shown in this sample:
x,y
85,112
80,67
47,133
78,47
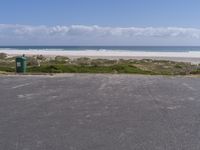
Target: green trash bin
x,y
21,64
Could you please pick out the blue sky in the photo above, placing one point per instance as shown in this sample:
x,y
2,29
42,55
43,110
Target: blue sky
x,y
157,22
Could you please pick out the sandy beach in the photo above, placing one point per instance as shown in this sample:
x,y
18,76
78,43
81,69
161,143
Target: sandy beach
x,y
193,57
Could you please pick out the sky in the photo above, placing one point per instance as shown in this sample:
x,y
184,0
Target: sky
x,y
99,22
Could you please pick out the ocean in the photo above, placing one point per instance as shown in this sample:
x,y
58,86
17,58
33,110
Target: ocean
x,y
106,48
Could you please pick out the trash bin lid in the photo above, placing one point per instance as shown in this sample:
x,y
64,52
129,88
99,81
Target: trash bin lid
x,y
21,57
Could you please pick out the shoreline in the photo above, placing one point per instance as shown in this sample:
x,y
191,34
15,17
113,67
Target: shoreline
x,y
192,57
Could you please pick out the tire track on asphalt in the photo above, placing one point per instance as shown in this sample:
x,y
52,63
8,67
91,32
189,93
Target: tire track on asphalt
x,y
162,112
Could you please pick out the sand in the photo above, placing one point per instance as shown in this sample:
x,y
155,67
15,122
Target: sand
x,y
193,57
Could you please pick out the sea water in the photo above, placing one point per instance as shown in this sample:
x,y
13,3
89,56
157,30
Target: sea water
x,y
106,48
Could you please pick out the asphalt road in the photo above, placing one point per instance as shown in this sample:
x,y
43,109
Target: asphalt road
x,y
99,112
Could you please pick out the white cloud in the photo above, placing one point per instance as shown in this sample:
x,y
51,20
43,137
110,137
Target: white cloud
x,y
80,34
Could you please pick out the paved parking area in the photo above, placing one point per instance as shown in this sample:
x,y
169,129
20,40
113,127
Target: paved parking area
x,y
99,112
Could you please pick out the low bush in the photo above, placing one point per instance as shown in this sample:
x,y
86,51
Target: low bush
x,y
3,55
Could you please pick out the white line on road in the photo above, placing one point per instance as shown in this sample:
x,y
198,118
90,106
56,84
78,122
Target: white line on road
x,y
21,85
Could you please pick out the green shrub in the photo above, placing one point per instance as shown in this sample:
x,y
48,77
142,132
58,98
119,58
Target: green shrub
x,y
7,69
178,66
41,57
88,69
82,61
3,55
195,71
32,61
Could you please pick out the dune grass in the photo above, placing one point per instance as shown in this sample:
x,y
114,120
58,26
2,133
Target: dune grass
x,y
88,69
59,64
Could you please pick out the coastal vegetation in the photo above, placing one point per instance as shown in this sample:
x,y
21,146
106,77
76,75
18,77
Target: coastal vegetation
x,y
60,64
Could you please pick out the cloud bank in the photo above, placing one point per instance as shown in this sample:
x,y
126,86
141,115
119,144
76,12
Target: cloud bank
x,y
97,35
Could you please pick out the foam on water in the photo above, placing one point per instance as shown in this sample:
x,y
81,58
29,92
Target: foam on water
x,y
106,48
